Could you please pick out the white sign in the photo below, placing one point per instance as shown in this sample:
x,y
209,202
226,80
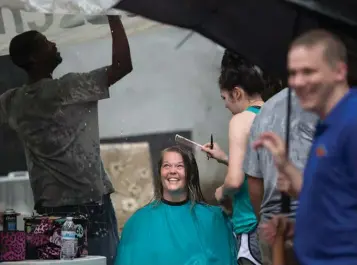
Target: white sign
x,y
89,7
61,28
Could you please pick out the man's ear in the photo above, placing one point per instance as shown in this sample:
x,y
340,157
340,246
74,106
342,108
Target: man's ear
x,y
341,70
32,60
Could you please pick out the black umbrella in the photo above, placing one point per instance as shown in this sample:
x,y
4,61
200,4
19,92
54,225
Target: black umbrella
x,y
259,30
344,11
234,24
340,17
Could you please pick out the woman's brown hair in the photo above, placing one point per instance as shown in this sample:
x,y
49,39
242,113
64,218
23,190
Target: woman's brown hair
x,y
192,175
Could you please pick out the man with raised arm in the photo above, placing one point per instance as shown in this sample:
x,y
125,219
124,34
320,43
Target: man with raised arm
x,y
57,121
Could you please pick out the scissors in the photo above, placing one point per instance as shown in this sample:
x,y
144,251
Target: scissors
x,y
211,147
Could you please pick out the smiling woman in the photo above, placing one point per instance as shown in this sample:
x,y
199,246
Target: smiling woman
x,y
178,227
179,177
173,177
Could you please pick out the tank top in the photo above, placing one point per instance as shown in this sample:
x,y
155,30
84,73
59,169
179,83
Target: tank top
x,y
243,216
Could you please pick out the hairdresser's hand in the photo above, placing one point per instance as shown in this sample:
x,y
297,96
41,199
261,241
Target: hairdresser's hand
x,y
219,194
224,201
216,153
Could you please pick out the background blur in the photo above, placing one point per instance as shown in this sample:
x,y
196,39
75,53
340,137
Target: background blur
x,y
170,91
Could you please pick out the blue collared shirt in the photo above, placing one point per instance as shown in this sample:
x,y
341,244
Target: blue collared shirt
x,y
326,223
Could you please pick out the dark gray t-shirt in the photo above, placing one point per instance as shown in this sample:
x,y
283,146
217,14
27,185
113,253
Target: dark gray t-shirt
x,y
259,163
57,121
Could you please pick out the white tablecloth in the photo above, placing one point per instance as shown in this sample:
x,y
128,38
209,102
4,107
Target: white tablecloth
x,y
90,260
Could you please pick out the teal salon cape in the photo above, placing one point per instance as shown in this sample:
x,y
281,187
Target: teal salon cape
x,y
163,233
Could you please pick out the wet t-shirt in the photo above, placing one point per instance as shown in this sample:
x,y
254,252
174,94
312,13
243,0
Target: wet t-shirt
x,y
57,121
260,164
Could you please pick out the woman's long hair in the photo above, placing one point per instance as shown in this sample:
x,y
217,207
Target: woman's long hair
x,y
192,176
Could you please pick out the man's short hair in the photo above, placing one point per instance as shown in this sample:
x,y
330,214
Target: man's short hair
x,y
335,49
22,48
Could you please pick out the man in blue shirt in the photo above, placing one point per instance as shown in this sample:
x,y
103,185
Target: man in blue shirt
x,y
326,222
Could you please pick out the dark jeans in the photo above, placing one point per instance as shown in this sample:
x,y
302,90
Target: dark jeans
x,y
103,236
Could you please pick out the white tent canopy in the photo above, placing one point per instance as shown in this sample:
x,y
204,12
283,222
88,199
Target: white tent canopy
x,y
89,7
65,22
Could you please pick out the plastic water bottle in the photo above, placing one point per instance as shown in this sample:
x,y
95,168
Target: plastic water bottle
x,y
69,240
